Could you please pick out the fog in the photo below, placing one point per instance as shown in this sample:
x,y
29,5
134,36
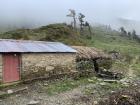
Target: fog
x,y
35,13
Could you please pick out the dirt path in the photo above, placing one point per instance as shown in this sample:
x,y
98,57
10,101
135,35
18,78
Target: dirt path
x,y
72,97
35,91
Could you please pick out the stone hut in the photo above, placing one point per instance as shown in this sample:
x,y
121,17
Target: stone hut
x,y
20,59
90,54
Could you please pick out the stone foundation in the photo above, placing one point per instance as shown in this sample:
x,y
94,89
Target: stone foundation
x,y
46,64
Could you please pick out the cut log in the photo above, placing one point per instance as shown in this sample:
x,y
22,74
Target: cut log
x,y
9,92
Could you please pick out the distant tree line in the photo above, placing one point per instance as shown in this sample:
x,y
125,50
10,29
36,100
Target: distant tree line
x,y
131,35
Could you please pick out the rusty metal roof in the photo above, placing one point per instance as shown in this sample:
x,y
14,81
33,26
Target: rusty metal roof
x,y
10,45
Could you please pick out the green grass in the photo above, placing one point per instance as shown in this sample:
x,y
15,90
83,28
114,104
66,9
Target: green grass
x,y
136,68
103,89
66,85
111,40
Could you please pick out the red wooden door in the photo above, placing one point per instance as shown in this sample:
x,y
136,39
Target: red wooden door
x,y
11,67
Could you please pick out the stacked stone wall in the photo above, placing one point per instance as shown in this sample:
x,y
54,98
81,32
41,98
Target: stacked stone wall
x,y
36,65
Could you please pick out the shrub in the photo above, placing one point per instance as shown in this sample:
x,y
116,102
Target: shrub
x,y
123,97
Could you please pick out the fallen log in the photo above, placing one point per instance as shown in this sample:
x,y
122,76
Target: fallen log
x,y
20,90
10,92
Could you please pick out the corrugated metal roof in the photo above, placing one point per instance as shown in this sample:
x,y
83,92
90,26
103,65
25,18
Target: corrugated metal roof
x,y
9,45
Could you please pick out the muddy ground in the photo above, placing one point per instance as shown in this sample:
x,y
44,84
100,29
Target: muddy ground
x,y
84,94
35,92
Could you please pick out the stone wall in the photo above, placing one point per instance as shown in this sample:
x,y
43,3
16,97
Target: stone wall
x,y
45,64
1,67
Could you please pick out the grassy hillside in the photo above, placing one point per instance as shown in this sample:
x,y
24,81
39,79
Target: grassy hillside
x,y
109,40
52,32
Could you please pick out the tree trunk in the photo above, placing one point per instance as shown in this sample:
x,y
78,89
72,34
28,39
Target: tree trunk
x,y
89,30
74,22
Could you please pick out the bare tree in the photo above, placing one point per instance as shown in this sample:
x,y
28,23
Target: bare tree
x,y
88,25
83,23
134,34
81,20
129,35
73,15
123,31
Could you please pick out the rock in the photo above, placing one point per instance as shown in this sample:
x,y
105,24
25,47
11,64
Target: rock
x,y
10,91
102,83
112,91
95,102
90,80
18,95
72,83
135,84
125,84
45,84
125,96
33,102
99,79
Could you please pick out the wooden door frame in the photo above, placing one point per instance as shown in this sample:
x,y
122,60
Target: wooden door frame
x,y
20,65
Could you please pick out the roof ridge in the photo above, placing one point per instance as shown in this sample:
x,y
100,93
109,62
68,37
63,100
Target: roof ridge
x,y
14,40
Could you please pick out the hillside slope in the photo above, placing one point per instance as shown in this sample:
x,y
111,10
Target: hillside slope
x,y
52,32
109,40
102,38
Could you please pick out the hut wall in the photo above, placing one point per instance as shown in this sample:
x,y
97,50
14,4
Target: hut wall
x,y
1,67
46,64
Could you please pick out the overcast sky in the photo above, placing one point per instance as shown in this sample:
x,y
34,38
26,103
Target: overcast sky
x,y
41,12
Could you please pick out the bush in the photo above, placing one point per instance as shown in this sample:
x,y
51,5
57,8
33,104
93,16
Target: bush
x,y
105,63
85,65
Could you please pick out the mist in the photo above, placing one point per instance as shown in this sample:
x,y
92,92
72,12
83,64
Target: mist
x,y
35,13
